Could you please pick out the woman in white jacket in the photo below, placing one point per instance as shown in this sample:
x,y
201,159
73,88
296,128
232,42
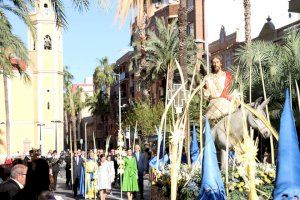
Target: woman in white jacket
x,y
103,174
111,170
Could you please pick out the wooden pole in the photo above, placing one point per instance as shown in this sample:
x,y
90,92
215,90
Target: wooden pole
x,y
129,138
94,140
165,122
290,85
201,122
267,111
71,149
135,133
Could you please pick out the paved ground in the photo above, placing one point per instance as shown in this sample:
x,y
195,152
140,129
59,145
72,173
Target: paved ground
x,y
67,193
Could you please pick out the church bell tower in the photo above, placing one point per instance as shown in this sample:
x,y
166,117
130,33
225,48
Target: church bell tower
x,y
46,63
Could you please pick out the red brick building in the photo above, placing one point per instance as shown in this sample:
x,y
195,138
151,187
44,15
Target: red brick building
x,y
130,74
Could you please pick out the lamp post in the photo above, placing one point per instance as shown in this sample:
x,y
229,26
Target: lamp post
x,y
56,122
39,124
120,119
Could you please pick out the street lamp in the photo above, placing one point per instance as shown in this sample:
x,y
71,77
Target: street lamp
x,y
120,118
39,124
56,122
120,107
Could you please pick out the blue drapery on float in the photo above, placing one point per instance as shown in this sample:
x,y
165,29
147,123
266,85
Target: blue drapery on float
x,y
195,151
163,159
82,188
212,187
288,166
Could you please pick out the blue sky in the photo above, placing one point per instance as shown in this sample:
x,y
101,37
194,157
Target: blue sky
x,y
90,35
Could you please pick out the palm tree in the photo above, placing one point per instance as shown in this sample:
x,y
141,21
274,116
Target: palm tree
x,y
161,50
11,47
68,77
277,63
73,105
162,47
103,76
80,99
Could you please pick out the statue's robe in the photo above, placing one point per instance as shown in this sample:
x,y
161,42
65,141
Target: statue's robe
x,y
218,93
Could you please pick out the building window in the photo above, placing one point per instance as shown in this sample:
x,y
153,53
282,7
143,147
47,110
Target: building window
x,y
47,42
33,45
190,29
190,5
48,105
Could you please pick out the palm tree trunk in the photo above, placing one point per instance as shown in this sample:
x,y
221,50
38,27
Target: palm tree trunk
x,y
142,35
247,14
66,126
78,124
182,24
107,89
7,113
247,17
73,120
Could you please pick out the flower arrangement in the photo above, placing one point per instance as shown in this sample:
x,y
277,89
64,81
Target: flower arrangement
x,y
120,153
189,181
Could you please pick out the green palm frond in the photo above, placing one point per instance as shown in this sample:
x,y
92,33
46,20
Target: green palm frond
x,y
81,5
60,16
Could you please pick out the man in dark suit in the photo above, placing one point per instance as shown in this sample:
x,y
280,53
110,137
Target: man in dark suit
x,y
28,158
55,166
114,159
142,166
68,168
77,164
15,183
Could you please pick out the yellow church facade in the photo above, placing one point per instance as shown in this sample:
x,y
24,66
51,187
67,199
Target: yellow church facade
x,y
36,108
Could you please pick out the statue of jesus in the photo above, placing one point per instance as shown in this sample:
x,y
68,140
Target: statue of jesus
x,y
216,90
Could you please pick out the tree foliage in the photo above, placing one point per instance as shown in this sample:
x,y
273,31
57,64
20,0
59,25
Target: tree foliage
x,y
280,64
103,75
147,116
162,48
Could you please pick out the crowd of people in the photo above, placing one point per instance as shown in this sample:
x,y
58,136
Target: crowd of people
x,y
31,177
90,174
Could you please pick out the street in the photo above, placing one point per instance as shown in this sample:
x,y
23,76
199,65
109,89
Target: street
x,y
67,194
